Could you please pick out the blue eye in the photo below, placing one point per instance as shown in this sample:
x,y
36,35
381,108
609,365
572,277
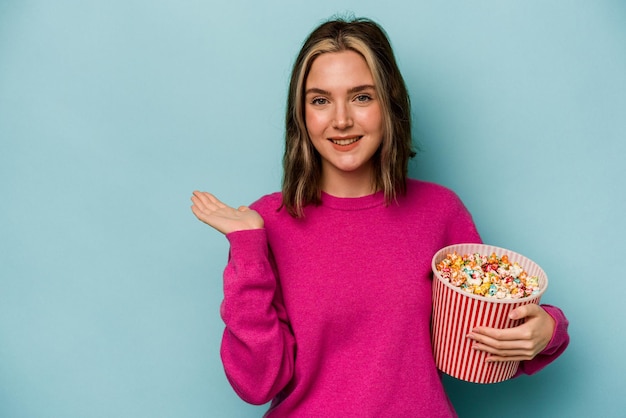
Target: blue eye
x,y
319,101
363,98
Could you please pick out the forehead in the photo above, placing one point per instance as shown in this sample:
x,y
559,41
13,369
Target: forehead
x,y
339,68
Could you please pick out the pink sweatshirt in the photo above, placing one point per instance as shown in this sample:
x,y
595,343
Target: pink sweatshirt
x,y
329,315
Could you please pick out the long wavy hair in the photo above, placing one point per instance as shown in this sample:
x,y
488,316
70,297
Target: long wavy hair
x,y
301,161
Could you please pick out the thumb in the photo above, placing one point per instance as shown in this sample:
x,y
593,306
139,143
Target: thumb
x,y
519,312
243,208
525,311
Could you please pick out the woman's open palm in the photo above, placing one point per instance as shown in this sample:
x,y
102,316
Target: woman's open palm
x,y
224,218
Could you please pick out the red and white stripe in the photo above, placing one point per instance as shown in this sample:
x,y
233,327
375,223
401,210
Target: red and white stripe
x,y
456,313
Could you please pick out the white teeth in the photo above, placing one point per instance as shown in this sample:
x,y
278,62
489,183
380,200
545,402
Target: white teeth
x,y
344,141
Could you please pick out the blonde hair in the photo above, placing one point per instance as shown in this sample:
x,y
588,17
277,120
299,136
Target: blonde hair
x,y
301,162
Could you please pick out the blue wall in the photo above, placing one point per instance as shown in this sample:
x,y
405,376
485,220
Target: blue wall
x,y
112,112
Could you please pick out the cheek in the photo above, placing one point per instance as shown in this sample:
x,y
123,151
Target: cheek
x,y
315,123
370,117
375,121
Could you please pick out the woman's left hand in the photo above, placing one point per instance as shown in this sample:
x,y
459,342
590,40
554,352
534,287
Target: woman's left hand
x,y
519,343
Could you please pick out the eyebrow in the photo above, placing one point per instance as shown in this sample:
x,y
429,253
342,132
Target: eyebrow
x,y
351,91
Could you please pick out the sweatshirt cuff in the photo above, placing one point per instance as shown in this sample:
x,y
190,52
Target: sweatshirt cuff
x,y
560,337
248,244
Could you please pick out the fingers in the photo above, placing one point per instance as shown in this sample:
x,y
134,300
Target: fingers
x,y
492,345
226,219
505,355
529,313
520,332
522,342
205,205
503,350
498,359
207,200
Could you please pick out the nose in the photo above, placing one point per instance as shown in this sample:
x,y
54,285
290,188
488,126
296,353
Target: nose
x,y
342,118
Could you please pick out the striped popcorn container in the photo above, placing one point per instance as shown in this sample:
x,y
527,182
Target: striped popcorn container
x,y
456,312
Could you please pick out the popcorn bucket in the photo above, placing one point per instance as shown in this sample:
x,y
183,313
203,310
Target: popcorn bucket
x,y
456,312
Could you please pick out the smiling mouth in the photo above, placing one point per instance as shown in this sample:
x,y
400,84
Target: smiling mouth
x,y
344,142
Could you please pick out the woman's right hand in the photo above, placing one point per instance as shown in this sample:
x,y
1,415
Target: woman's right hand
x,y
225,219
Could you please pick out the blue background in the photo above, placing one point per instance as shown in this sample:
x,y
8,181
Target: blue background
x,y
113,112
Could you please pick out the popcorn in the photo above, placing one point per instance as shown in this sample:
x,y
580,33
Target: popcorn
x,y
478,289
489,276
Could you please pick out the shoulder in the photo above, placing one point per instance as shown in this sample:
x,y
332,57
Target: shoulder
x,y
430,192
275,216
444,211
432,198
269,205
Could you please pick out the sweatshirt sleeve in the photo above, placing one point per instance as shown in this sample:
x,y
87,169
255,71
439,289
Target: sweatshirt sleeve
x,y
556,346
461,229
258,347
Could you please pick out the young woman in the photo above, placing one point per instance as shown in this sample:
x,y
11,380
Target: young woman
x,y
327,291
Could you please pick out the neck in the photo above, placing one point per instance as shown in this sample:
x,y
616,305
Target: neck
x,y
349,184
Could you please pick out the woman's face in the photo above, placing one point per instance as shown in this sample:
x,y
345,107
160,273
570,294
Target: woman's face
x,y
343,114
